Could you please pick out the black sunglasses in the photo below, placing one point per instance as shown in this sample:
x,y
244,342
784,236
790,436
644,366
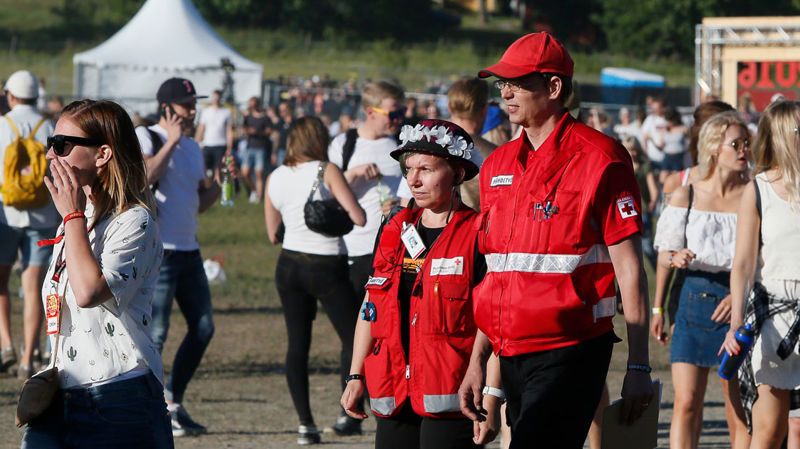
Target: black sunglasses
x,y
58,141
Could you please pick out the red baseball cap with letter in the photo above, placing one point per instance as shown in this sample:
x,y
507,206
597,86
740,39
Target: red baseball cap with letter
x,y
535,52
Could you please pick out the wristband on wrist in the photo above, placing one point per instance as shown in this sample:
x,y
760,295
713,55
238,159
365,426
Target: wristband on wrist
x,y
69,217
639,367
353,377
496,392
658,310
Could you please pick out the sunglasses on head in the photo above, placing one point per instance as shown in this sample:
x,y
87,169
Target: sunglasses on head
x,y
394,115
58,142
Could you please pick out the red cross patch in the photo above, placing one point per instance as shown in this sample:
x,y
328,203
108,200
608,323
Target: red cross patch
x,y
626,206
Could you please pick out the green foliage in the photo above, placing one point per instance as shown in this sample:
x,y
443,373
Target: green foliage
x,y
352,19
652,28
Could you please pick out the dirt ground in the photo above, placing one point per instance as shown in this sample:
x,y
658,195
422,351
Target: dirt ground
x,y
240,391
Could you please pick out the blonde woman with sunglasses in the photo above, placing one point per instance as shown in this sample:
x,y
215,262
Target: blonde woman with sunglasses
x,y
697,232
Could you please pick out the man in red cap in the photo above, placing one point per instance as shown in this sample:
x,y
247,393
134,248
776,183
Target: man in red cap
x,y
560,221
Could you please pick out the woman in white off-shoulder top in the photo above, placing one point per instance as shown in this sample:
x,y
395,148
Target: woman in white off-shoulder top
x,y
706,211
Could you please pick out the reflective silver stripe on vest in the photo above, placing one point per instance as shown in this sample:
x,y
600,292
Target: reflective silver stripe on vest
x,y
440,403
546,263
382,406
605,307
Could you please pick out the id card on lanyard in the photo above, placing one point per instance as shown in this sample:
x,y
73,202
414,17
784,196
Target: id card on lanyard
x,y
54,299
412,240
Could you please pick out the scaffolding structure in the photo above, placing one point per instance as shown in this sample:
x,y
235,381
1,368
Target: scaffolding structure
x,y
715,34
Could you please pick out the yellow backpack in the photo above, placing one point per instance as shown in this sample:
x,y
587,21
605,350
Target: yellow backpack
x,y
24,168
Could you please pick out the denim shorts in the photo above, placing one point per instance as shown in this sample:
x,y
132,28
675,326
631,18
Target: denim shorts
x,y
129,413
25,240
673,162
254,157
697,339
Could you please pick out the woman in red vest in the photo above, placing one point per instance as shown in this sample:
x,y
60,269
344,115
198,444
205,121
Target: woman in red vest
x,y
416,329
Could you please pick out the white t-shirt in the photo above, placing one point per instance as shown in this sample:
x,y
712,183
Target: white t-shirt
x,y
99,344
216,122
177,197
652,126
361,240
403,191
288,189
674,143
26,118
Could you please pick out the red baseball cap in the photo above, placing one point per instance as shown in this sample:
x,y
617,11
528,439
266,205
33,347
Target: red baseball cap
x,y
535,52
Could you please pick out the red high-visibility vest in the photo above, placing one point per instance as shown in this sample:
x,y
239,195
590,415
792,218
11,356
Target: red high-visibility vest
x,y
442,329
545,227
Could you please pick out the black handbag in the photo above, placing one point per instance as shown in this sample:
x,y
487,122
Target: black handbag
x,y
326,217
679,274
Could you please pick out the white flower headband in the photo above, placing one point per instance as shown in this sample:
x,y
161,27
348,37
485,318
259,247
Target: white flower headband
x,y
455,145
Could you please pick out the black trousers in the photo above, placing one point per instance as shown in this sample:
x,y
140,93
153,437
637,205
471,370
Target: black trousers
x,y
302,279
359,271
552,395
407,430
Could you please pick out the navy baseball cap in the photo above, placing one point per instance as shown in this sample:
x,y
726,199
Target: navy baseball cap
x,y
178,91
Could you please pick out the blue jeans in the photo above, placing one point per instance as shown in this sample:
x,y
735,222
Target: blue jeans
x,y
125,414
183,278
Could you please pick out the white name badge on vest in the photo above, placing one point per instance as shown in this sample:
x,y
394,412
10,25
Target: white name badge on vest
x,y
454,266
412,240
502,180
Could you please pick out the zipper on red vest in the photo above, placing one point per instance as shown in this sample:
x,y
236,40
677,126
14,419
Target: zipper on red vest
x,y
408,371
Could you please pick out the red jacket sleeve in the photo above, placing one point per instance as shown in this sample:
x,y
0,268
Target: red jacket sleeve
x,y
617,204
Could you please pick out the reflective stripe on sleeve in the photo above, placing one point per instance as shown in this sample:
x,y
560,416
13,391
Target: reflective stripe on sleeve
x,y
440,403
383,406
546,263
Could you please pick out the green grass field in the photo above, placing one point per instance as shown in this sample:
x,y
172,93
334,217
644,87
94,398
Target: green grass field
x,y
43,35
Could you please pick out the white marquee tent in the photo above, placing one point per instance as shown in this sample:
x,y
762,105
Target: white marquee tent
x,y
165,38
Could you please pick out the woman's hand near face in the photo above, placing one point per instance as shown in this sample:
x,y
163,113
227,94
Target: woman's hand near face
x,y
66,191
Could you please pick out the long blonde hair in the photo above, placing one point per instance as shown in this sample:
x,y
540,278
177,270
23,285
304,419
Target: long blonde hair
x,y
711,136
776,146
122,182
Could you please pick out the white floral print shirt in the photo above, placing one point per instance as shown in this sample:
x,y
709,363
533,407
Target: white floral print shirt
x,y
100,343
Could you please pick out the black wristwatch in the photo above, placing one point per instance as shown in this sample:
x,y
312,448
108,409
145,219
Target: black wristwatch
x,y
353,377
638,367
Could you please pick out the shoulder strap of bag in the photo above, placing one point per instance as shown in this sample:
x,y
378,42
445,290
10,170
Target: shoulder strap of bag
x,y
13,126
155,139
320,174
758,209
349,147
686,222
36,128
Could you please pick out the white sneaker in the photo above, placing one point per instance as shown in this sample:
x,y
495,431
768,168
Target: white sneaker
x,y
182,423
253,198
307,435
